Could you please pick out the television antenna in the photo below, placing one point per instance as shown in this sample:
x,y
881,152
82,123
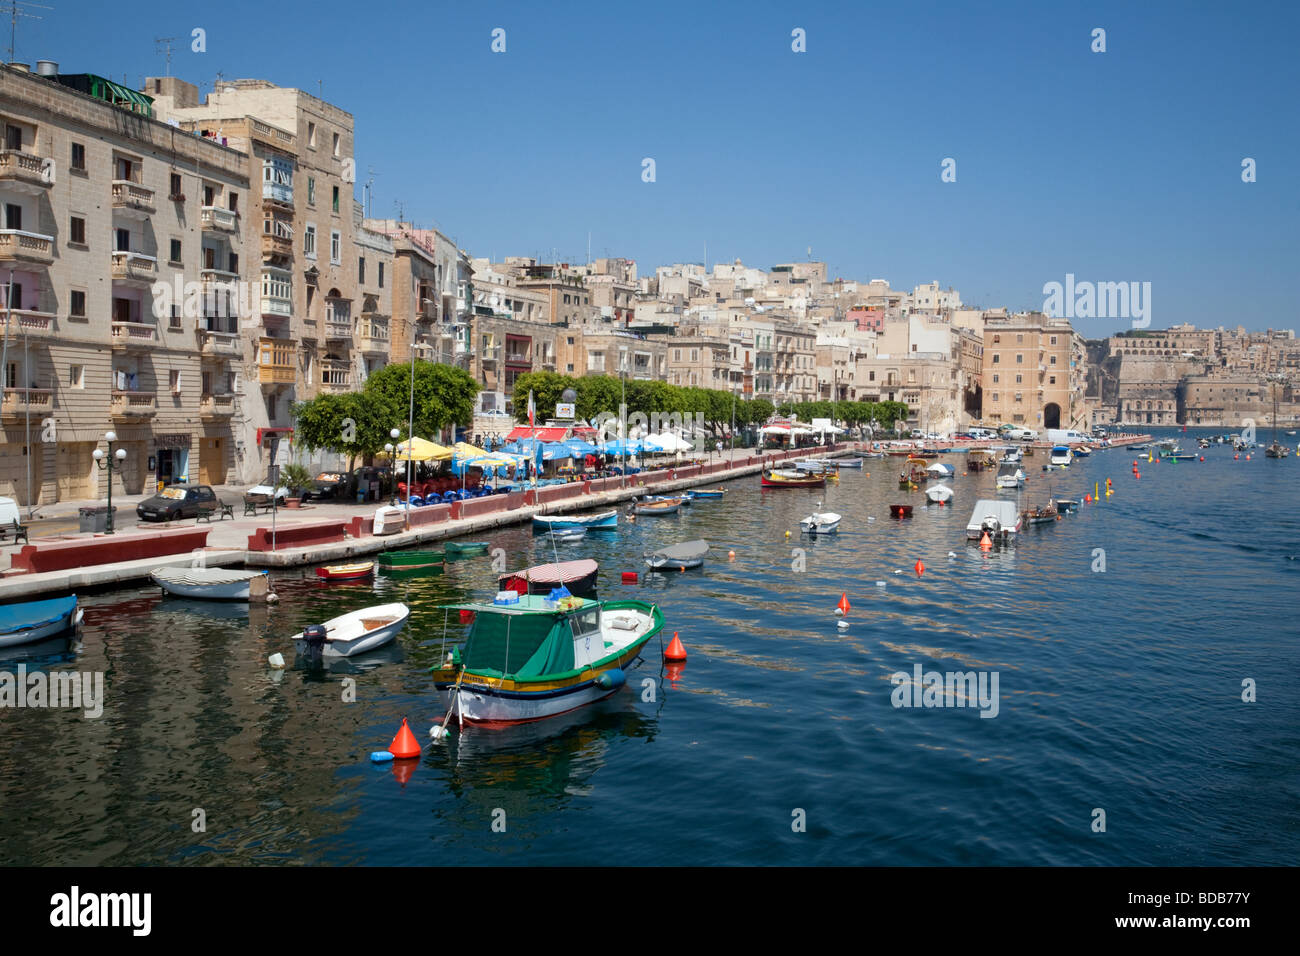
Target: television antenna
x,y
18,8
164,45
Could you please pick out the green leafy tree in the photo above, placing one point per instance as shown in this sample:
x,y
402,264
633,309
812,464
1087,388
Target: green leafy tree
x,y
444,396
350,424
547,387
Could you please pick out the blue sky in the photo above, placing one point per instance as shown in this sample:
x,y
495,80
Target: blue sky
x,y
1115,166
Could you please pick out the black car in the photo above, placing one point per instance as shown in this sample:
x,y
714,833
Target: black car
x,y
325,485
178,501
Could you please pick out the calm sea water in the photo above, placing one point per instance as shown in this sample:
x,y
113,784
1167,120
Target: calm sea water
x,y
1119,690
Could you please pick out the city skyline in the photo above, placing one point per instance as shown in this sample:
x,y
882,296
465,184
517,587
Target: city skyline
x,y
545,141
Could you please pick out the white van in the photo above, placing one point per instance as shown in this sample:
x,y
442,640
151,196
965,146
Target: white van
x,y
1062,436
1021,434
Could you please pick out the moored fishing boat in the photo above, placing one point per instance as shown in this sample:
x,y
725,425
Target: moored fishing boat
x,y
792,479
578,576
604,520
688,554
657,506
1066,505
465,549
1010,475
900,511
1060,455
540,658
998,519
709,493
980,461
33,621
820,522
353,633
346,572
939,494
209,584
1048,513
410,560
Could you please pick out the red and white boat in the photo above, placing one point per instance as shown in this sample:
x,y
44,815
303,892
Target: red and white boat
x,y
346,572
578,576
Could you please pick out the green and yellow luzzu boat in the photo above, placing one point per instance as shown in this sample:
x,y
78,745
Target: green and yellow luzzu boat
x,y
539,658
410,560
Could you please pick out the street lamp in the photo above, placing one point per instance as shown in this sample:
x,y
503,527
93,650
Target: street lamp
x,y
395,434
392,501
120,457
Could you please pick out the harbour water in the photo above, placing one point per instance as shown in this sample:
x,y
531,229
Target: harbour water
x,y
1119,690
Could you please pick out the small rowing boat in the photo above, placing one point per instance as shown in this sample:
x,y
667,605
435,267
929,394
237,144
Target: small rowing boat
x,y
604,520
900,511
578,576
708,493
465,549
658,506
689,554
410,560
208,584
33,621
346,572
820,522
792,479
353,633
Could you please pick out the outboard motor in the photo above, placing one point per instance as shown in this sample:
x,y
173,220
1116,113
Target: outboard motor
x,y
314,636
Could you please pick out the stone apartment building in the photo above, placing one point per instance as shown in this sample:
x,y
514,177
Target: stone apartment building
x,y
109,213
1034,372
324,315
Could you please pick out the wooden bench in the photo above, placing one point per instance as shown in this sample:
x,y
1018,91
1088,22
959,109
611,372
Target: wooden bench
x,y
19,530
221,509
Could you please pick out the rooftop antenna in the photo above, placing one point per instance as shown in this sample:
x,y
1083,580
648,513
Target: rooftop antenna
x,y
320,89
400,213
164,45
14,13
370,185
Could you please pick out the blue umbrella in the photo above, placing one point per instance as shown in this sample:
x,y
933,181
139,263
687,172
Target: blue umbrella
x,y
555,451
580,447
621,447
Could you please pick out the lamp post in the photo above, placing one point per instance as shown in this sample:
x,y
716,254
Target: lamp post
x,y
392,501
395,434
106,462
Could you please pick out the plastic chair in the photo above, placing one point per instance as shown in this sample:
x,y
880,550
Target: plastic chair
x,y
416,501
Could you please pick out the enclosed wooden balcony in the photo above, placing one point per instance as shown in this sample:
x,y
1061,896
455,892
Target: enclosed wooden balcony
x,y
275,361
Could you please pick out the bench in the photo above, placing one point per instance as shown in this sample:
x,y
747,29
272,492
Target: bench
x,y
19,530
252,503
221,509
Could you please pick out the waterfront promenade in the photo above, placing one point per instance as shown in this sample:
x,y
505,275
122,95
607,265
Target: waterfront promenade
x,y
336,531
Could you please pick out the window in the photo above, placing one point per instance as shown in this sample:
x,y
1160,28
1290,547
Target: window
x,y
336,247
995,396
176,251
995,378
174,380
1053,362
76,376
1020,358
309,241
175,322
1018,380
79,156
1051,380
77,303
335,201
176,186
1052,340
1019,339
13,216
209,196
234,202
381,275
13,136
336,144
311,190
361,268
122,240
997,358
77,231
311,135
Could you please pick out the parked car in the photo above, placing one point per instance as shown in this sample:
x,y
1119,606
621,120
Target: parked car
x,y
326,485
1021,434
178,501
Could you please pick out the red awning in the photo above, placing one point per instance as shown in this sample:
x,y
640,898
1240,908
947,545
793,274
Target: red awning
x,y
538,432
278,430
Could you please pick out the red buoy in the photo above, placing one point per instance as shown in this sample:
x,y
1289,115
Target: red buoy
x,y
676,650
629,577
844,603
919,567
404,744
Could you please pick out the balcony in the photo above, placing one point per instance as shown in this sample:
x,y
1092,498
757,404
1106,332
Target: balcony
x,y
428,311
18,403
216,219
219,344
276,245
276,305
490,353
335,376
134,335
338,331
25,172
133,406
218,280
518,358
27,247
26,322
375,336
217,407
135,269
132,199
275,361
278,193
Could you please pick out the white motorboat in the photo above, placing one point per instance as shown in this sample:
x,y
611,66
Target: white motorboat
x,y
998,519
210,584
689,554
820,522
939,494
353,633
1061,455
1010,476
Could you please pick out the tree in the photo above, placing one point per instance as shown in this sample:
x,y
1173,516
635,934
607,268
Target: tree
x,y
351,424
444,395
547,387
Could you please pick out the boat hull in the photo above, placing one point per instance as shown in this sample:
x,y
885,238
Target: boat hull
x,y
346,644
346,572
809,481
397,560
47,619
190,585
544,523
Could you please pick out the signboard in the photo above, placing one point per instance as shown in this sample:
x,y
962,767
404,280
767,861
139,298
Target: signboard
x,y
822,424
564,411
172,441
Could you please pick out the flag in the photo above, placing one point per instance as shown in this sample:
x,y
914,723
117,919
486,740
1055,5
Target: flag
x,y
532,409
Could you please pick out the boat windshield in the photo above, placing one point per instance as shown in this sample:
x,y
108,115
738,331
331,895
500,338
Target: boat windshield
x,y
586,622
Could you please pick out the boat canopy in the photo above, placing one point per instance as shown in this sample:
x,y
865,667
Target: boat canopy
x,y
526,640
1004,511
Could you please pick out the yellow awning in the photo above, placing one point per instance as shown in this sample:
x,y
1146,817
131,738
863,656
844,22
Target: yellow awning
x,y
418,449
464,449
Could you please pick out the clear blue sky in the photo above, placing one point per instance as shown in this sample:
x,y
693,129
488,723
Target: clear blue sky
x,y
1115,166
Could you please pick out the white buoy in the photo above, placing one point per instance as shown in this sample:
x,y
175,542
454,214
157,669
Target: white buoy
x,y
871,519
842,625
276,660
880,584
899,571
952,554
839,612
438,732
272,598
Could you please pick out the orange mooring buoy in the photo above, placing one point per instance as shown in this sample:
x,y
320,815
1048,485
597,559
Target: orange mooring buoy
x,y
920,567
843,606
986,542
676,650
1087,499
404,744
